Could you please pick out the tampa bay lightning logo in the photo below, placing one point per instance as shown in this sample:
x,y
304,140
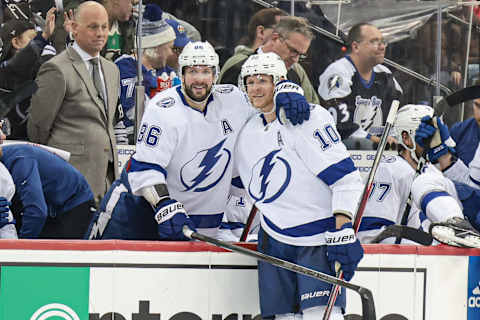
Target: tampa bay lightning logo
x,y
270,177
206,168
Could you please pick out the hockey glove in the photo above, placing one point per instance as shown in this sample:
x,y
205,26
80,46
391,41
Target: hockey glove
x,y
344,247
171,217
425,133
290,103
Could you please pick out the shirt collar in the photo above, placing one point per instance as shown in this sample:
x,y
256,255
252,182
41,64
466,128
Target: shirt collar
x,y
83,54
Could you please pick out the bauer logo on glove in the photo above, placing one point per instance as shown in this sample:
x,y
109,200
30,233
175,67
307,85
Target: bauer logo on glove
x,y
170,209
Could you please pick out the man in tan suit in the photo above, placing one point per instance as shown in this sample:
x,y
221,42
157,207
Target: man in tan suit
x,y
74,106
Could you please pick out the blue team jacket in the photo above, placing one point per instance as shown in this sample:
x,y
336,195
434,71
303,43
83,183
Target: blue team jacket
x,y
45,184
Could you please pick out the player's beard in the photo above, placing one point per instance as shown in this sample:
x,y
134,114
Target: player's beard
x,y
191,94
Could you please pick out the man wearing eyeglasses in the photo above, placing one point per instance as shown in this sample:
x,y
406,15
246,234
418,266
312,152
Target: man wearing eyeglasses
x,y
358,90
290,39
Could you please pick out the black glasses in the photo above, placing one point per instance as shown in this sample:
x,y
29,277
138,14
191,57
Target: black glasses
x,y
293,51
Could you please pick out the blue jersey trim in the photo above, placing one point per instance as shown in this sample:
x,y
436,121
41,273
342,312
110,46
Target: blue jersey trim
x,y
237,182
374,223
207,220
366,84
137,166
430,196
337,171
304,230
232,225
475,181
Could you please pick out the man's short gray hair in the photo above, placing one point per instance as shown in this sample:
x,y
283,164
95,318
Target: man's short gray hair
x,y
289,24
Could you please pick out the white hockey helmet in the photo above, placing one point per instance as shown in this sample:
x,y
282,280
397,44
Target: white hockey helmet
x,y
408,119
199,54
263,63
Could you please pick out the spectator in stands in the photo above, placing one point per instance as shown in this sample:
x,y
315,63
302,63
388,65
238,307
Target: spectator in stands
x,y
157,43
24,51
52,199
154,12
358,89
290,39
259,29
181,40
74,106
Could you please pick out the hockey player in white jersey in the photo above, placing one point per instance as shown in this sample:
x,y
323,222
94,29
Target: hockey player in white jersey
x,y
306,187
434,196
184,154
453,203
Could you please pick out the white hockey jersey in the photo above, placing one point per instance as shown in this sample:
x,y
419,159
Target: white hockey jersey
x,y
388,199
190,151
297,176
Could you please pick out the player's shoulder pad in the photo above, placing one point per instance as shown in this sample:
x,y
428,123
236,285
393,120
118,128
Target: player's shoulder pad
x,y
386,158
319,117
225,89
167,99
231,94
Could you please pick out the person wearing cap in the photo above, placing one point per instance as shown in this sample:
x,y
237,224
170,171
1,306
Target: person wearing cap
x,y
74,106
157,43
181,41
24,50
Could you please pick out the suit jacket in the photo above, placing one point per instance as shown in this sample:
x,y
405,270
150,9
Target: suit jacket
x,y
67,113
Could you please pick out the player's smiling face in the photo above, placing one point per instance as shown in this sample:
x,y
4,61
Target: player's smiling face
x,y
198,81
260,89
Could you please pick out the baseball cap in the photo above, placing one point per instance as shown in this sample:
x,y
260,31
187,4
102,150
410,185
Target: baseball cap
x,y
10,30
181,39
155,33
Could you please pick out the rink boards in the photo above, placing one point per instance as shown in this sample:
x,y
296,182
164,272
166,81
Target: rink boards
x,y
190,281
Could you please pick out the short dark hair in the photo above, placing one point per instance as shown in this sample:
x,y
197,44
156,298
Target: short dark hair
x,y
355,33
264,17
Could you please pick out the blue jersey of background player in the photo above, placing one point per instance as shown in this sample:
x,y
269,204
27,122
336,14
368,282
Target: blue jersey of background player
x,y
52,198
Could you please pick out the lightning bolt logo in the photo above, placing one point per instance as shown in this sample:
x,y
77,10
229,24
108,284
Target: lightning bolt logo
x,y
267,167
207,166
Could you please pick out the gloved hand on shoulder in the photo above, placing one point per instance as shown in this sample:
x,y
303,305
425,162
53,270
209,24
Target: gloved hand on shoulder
x,y
290,103
343,247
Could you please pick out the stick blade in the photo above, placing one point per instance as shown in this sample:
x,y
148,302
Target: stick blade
x,y
368,304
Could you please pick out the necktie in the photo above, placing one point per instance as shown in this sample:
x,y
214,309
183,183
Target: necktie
x,y
97,81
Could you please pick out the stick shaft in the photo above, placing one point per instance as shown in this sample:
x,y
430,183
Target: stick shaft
x,y
366,192
248,225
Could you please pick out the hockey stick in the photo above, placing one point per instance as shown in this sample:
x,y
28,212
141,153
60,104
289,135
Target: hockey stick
x,y
248,225
368,305
405,232
366,192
